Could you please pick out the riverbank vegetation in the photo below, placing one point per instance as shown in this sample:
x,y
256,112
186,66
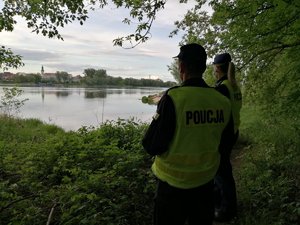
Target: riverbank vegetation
x,y
91,77
92,176
101,175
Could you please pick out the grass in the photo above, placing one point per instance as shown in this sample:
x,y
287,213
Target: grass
x,y
267,173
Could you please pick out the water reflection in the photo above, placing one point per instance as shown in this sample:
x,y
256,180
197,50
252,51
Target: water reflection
x,y
72,108
95,94
87,92
130,91
114,91
61,94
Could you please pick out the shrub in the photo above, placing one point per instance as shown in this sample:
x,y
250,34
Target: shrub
x,y
92,176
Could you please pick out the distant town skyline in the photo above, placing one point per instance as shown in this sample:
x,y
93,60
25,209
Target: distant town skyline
x,y
42,71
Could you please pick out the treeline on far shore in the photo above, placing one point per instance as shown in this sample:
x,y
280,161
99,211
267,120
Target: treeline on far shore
x,y
91,77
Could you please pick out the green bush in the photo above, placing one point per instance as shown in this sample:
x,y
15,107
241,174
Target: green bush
x,y
267,179
92,176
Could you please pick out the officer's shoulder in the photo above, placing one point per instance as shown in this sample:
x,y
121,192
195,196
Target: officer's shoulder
x,y
172,88
220,95
221,86
223,90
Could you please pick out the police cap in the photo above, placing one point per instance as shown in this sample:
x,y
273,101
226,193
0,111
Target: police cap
x,y
222,58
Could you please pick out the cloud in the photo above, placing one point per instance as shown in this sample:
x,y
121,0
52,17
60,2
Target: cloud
x,y
91,46
37,55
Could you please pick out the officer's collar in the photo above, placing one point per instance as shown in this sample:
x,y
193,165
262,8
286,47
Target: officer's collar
x,y
221,79
195,81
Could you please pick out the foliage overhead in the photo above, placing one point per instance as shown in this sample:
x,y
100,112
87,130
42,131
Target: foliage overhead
x,y
254,31
47,16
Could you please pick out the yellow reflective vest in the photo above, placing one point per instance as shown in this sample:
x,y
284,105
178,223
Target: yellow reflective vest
x,y
236,103
193,157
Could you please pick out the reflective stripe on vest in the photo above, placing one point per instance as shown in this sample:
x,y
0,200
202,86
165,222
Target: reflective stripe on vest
x,y
236,102
193,158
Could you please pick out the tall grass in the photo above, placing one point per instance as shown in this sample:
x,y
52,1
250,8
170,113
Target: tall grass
x,y
269,173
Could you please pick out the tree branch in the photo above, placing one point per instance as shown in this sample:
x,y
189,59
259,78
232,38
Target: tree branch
x,y
279,47
16,201
50,214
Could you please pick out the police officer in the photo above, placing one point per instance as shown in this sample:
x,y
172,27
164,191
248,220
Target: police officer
x,y
184,135
225,190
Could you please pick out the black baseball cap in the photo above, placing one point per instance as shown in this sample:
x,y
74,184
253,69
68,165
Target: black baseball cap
x,y
192,52
222,58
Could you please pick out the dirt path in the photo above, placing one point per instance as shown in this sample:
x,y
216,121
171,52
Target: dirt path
x,y
236,159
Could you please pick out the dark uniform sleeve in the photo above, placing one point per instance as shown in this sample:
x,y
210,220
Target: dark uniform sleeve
x,y
223,90
161,130
227,139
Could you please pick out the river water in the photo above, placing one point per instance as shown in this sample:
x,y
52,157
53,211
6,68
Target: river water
x,y
72,108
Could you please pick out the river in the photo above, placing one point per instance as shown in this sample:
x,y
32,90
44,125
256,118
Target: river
x,y
72,108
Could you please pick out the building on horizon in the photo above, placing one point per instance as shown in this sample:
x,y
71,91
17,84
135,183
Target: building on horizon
x,y
47,76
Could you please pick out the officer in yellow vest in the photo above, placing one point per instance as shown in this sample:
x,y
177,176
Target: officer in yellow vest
x,y
184,136
226,200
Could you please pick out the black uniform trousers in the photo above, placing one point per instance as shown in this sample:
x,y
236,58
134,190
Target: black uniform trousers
x,y
225,189
225,196
174,206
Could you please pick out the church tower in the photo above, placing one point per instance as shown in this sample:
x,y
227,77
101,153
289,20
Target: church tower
x,y
42,71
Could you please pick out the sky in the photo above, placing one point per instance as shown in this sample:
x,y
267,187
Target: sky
x,y
91,45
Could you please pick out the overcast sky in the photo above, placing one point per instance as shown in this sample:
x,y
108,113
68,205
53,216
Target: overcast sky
x,y
90,45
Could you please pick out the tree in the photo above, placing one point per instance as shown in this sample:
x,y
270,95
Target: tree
x,y
8,59
173,68
10,102
95,77
209,76
62,77
255,32
263,38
